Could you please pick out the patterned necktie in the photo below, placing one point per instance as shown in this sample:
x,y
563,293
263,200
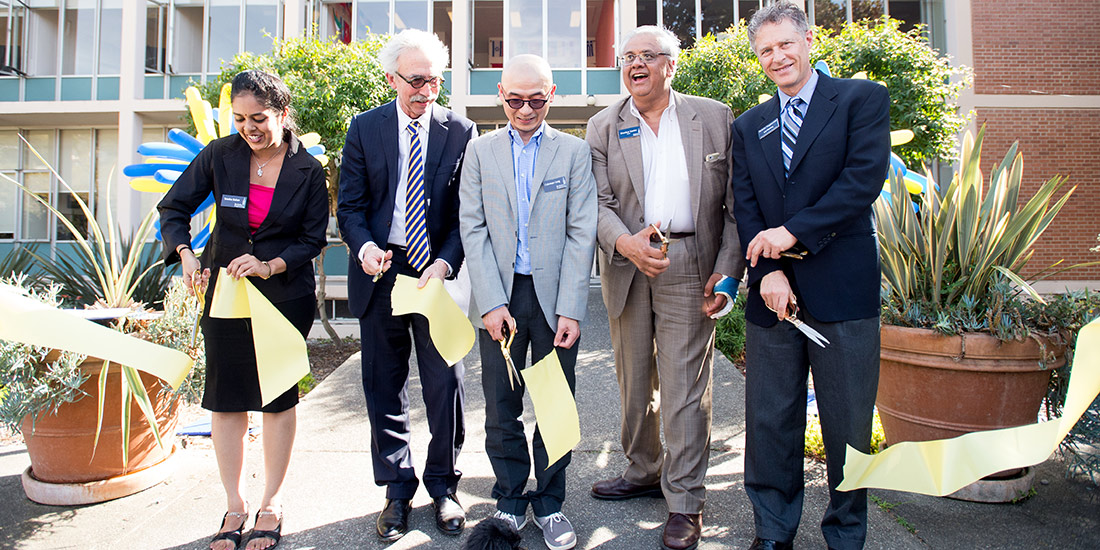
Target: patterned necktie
x,y
416,227
792,123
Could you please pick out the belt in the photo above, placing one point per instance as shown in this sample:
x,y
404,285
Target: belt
x,y
673,235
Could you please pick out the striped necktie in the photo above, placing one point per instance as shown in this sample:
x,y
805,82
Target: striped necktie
x,y
792,123
416,227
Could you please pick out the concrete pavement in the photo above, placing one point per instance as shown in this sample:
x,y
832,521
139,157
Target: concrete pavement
x,y
332,502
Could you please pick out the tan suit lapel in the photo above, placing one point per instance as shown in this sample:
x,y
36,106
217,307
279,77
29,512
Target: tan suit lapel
x,y
547,149
632,151
502,155
691,134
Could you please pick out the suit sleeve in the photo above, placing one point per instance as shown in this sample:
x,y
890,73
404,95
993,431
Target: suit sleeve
x,y
183,197
485,283
730,260
580,237
311,237
353,203
746,207
451,249
610,226
859,183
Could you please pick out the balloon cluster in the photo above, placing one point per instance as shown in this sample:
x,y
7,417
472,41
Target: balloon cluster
x,y
165,161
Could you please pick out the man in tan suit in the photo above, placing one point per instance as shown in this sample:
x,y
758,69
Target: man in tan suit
x,y
661,164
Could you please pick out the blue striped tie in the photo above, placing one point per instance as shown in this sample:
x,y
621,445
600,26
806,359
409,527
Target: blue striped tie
x,y
792,123
416,227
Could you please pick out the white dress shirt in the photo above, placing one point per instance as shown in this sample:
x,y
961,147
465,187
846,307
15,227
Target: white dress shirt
x,y
664,164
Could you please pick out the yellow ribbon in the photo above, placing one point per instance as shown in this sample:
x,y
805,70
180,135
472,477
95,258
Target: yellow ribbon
x,y
944,466
281,358
555,408
26,320
452,334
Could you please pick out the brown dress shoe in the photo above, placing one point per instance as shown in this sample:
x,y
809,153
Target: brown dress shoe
x,y
621,489
682,531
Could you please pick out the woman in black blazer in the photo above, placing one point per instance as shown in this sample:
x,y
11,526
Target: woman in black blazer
x,y
272,214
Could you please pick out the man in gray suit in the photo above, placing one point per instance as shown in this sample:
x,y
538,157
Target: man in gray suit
x,y
661,164
528,225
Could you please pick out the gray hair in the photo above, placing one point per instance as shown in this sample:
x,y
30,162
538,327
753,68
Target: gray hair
x,y
414,39
668,41
775,14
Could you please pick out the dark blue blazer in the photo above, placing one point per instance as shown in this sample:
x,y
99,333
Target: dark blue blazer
x,y
838,167
368,186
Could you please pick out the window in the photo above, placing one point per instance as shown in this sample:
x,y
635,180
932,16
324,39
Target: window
x,y
187,37
565,44
717,16
78,39
110,40
35,224
224,20
9,194
372,16
487,40
261,17
75,167
156,37
443,21
11,37
42,39
601,33
410,14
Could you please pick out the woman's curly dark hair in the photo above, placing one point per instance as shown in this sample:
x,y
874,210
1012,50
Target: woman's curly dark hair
x,y
269,90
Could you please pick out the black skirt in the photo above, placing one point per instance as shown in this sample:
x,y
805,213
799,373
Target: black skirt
x,y
232,384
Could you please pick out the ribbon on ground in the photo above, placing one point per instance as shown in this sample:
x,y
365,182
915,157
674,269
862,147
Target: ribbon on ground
x,y
281,357
24,319
452,333
555,408
944,466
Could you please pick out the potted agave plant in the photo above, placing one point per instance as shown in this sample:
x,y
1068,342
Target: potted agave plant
x,y
78,414
967,343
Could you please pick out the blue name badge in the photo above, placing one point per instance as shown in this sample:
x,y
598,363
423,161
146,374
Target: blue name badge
x,y
234,201
630,132
767,129
556,184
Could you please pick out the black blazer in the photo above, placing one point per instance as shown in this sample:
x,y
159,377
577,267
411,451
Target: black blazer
x,y
293,230
368,185
838,167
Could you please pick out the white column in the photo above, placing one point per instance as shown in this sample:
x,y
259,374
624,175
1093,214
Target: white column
x,y
461,28
131,90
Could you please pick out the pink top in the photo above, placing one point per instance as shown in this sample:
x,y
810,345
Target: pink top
x,y
259,203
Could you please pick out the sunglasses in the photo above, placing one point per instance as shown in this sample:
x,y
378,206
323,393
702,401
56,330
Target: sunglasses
x,y
535,104
418,82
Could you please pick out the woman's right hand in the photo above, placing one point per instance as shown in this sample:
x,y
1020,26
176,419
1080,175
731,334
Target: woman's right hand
x,y
194,276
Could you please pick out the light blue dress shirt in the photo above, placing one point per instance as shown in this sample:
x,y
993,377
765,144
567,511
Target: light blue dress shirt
x,y
523,163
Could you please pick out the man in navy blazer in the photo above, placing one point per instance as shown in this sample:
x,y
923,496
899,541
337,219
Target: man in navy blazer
x,y
398,214
808,165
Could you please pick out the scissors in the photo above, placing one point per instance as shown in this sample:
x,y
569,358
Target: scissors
x,y
200,296
506,349
664,238
815,336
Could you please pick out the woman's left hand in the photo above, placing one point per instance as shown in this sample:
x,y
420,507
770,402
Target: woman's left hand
x,y
247,265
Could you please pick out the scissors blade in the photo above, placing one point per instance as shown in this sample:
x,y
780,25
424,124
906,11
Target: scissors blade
x,y
811,333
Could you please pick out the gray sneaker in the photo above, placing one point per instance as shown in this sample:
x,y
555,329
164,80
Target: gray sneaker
x,y
557,532
517,522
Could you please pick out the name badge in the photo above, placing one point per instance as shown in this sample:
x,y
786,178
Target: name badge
x,y
630,132
556,184
234,201
767,129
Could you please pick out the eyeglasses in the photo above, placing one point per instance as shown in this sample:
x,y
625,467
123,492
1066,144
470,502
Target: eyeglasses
x,y
418,82
647,57
535,104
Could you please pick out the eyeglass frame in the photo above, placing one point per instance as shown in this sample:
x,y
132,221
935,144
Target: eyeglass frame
x,y
529,102
623,63
432,80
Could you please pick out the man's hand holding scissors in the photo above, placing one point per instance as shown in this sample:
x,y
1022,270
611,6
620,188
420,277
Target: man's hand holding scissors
x,y
636,248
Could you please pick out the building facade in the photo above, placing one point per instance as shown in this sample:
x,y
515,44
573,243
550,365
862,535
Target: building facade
x,y
87,81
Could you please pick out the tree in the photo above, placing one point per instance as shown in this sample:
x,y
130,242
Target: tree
x,y
924,87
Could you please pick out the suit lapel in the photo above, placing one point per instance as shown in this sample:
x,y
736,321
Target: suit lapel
x,y
691,134
821,110
437,140
389,146
501,148
547,149
632,150
238,166
770,143
291,177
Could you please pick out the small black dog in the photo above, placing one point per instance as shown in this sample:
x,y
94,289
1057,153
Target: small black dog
x,y
493,534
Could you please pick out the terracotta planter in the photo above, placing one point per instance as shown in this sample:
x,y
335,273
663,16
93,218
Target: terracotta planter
x,y
933,386
61,446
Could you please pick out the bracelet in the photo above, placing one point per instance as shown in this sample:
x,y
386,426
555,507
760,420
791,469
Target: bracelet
x,y
268,266
182,247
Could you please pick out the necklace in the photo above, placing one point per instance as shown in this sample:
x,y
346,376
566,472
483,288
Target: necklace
x,y
260,167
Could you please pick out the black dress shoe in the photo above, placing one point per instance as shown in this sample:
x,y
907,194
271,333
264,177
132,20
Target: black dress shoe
x,y
621,489
765,544
450,518
393,522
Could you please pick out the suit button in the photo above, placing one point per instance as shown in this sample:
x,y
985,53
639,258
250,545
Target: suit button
x,y
641,219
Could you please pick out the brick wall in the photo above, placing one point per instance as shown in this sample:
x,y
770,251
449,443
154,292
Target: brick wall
x,y
1035,46
1054,142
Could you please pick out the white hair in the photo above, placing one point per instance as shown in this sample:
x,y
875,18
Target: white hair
x,y
414,39
668,41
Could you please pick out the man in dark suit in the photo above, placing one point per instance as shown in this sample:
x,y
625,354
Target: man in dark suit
x,y
398,214
808,165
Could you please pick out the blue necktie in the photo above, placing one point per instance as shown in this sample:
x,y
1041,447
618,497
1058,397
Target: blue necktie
x,y
792,123
416,227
